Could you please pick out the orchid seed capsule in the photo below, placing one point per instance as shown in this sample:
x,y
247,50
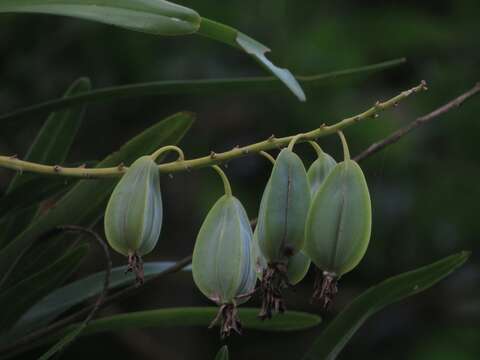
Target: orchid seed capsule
x,y
320,168
281,225
338,226
222,263
133,218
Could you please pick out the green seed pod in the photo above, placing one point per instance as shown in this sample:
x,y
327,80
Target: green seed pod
x,y
281,227
222,263
283,209
320,169
338,224
133,218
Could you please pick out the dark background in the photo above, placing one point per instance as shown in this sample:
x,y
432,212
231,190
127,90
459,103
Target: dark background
x,y
425,189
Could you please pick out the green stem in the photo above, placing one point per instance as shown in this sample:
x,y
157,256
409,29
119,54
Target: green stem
x,y
294,140
162,150
346,152
209,160
226,183
316,147
267,156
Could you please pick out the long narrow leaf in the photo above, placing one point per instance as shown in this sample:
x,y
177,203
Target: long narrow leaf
x,y
157,17
329,344
200,316
55,138
64,298
51,146
85,202
31,192
222,353
23,295
60,345
197,87
186,317
252,47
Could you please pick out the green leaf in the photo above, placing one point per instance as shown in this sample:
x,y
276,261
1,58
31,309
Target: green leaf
x,y
186,317
62,343
51,146
85,202
197,87
252,47
30,193
24,294
55,138
157,17
222,353
329,344
64,298
200,316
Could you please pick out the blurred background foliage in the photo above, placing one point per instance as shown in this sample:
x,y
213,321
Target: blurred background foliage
x,y
425,189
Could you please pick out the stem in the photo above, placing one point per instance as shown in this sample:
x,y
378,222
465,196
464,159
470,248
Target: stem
x,y
226,183
397,135
209,160
295,139
267,156
162,150
316,147
346,152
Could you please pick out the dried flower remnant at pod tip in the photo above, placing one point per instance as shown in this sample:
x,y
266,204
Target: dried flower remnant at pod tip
x,y
222,263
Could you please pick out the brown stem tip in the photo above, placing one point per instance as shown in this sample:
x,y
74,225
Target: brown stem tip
x,y
325,288
135,265
274,280
227,317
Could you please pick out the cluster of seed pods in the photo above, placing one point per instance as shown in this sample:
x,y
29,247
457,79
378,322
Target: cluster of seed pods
x,y
322,215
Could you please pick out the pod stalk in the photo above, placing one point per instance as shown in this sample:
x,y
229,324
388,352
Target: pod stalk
x,y
162,150
346,152
294,140
267,156
226,183
316,147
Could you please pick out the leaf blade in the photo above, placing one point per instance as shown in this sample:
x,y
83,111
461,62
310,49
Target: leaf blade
x,y
156,17
222,353
64,298
329,344
24,294
196,316
51,146
197,87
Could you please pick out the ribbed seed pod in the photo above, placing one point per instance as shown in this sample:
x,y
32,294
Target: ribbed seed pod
x,y
133,218
222,264
319,170
284,206
281,226
338,225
